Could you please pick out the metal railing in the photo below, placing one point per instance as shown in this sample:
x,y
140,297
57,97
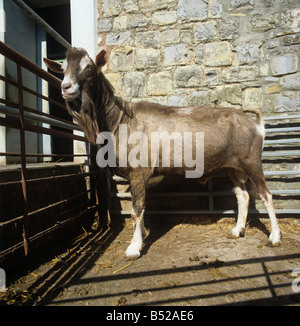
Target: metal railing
x,y
27,119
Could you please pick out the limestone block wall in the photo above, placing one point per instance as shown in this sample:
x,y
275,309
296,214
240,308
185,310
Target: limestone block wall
x,y
241,53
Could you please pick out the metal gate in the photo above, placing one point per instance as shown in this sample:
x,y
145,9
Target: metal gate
x,y
33,189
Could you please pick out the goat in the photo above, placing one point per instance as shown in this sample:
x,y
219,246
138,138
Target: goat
x,y
233,140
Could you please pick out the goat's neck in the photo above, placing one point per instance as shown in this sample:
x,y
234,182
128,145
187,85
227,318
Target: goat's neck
x,y
114,112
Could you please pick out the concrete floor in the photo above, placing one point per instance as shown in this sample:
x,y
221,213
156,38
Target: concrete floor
x,y
182,264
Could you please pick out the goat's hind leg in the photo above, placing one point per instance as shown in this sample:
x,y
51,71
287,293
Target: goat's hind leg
x,y
239,179
138,196
266,197
275,236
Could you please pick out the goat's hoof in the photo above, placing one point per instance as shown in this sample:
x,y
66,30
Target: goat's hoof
x,y
237,233
274,240
273,245
132,252
242,233
232,236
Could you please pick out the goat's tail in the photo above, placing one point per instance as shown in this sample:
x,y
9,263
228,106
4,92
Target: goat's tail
x,y
260,122
258,114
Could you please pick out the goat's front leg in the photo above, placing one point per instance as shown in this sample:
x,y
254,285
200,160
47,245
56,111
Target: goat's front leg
x,y
138,196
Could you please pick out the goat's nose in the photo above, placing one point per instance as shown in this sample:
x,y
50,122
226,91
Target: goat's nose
x,y
66,86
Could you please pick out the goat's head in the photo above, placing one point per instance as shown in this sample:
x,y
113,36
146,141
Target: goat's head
x,y
81,87
79,71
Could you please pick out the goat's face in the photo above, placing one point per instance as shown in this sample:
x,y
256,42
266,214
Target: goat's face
x,y
74,68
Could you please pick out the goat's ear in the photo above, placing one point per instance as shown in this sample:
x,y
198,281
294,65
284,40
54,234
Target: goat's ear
x,y
101,59
53,65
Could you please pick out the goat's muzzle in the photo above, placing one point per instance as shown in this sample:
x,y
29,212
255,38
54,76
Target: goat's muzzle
x,y
70,91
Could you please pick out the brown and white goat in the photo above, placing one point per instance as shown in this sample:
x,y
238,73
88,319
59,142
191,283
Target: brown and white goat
x,y
233,140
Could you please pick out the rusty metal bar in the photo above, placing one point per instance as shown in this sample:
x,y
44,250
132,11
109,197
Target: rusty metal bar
x,y
13,55
89,210
207,212
45,155
8,81
43,209
10,123
32,116
53,132
26,109
28,90
32,182
9,103
23,161
28,127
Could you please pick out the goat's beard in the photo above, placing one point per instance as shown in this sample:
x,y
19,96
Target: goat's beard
x,y
84,112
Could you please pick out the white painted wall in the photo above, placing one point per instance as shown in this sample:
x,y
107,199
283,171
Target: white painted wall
x,y
84,35
2,84
47,148
84,25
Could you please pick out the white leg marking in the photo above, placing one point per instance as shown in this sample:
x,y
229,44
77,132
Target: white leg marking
x,y
239,179
275,236
133,251
243,205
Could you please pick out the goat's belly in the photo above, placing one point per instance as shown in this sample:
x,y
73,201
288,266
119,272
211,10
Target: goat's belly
x,y
181,173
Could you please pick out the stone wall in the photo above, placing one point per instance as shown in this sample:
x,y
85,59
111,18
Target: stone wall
x,y
241,53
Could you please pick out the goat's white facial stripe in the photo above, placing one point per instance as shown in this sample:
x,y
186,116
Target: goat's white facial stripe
x,y
67,80
85,61
70,86
64,65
